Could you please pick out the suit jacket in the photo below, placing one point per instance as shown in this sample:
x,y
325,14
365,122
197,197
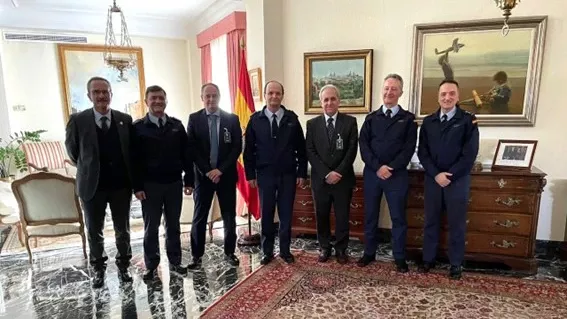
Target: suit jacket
x,y
323,154
82,146
200,144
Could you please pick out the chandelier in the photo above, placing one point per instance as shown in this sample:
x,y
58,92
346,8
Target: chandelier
x,y
506,6
114,54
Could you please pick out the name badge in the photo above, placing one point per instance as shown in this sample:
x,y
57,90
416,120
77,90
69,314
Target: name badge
x,y
227,137
340,143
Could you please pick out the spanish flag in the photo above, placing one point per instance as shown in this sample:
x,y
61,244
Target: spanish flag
x,y
243,108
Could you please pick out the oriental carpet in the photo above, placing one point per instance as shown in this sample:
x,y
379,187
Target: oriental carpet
x,y
308,289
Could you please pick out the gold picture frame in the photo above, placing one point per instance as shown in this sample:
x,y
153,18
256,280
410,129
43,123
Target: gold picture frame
x,y
256,84
350,71
498,76
80,62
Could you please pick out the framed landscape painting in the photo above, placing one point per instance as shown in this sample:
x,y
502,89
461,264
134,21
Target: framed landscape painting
x,y
349,71
498,75
79,62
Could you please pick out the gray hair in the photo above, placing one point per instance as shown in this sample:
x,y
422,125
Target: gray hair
x,y
329,86
396,77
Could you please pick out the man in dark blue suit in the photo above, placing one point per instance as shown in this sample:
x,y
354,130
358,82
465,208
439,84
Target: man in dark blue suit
x,y
387,143
215,137
448,146
275,161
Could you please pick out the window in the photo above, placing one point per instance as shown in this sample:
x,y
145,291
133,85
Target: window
x,y
219,71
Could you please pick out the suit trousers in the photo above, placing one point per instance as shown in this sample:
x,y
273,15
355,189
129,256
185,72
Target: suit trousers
x,y
396,190
339,198
454,199
203,196
95,213
166,200
276,190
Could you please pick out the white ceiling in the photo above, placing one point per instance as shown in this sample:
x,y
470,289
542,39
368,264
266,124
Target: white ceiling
x,y
164,18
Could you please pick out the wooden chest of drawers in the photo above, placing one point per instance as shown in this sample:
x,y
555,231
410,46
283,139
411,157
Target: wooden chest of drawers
x,y
501,221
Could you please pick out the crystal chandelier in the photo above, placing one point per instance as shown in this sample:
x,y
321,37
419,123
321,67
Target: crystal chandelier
x,y
506,6
121,61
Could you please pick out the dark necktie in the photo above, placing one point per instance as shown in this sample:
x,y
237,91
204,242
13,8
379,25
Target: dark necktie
x,y
274,126
389,113
160,121
443,118
104,124
330,130
214,141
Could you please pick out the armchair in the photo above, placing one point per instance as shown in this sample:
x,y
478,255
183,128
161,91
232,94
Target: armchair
x,y
49,207
47,157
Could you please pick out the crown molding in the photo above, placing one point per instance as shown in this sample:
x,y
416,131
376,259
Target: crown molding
x,y
216,12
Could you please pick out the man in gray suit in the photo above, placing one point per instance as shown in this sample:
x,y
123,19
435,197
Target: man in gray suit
x,y
332,144
98,143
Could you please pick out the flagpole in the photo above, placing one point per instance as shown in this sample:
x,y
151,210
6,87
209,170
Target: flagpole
x,y
248,239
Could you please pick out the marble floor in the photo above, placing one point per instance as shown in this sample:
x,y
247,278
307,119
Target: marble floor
x,y
57,284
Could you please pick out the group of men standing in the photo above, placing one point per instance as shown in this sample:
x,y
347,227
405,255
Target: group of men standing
x,y
159,160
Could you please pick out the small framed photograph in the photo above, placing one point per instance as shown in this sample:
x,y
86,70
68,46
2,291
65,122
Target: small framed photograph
x,y
256,81
514,155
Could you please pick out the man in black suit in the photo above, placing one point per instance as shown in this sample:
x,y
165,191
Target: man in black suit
x,y
215,138
98,143
332,144
275,162
162,155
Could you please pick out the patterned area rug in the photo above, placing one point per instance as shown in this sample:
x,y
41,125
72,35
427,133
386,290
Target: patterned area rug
x,y
308,289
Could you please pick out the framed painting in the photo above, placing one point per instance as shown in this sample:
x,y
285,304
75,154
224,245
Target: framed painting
x,y
514,155
498,75
256,81
350,71
79,62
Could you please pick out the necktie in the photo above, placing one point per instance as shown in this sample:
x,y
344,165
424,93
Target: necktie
x,y
104,124
330,130
160,121
389,113
214,141
444,118
274,126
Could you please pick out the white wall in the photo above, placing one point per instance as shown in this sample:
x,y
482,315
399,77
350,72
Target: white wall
x,y
32,78
387,27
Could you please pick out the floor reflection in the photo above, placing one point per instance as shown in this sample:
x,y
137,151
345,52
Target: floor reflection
x,y
57,285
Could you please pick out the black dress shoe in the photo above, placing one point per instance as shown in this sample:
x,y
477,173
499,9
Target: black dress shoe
x,y
180,270
266,259
365,260
195,264
342,258
98,280
455,272
149,274
425,267
324,255
124,275
232,259
288,258
401,266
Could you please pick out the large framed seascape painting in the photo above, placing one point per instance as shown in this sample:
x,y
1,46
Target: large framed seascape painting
x,y
79,62
350,71
498,75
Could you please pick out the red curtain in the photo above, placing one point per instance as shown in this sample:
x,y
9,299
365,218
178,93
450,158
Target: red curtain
x,y
206,66
233,41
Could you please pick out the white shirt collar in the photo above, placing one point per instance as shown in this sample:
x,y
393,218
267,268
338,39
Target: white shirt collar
x,y
327,117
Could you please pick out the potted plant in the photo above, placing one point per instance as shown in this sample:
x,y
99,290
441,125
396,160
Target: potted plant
x,y
12,154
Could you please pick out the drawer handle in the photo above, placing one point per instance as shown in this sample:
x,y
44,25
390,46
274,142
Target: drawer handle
x,y
354,223
419,196
502,183
305,202
306,186
418,237
355,205
509,202
355,189
508,223
304,219
421,218
505,244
